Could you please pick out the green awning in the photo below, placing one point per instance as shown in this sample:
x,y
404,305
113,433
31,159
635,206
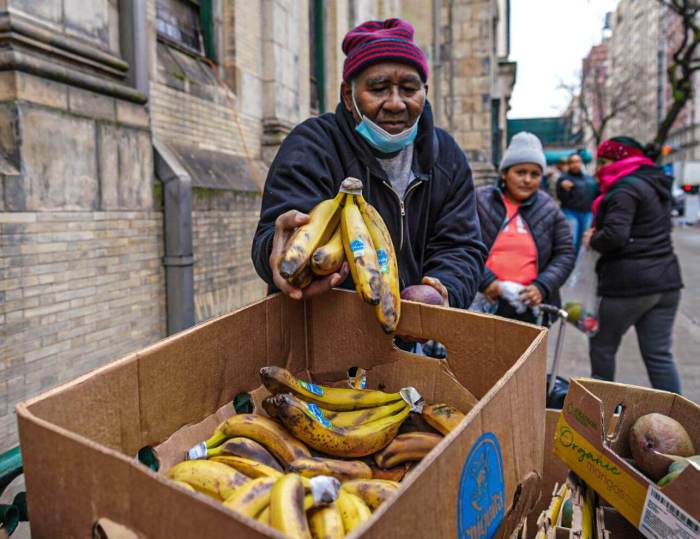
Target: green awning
x,y
553,156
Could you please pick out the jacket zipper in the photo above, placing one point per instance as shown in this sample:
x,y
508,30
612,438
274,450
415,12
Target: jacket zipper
x,y
402,206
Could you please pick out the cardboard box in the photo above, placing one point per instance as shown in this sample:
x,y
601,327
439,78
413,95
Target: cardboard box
x,y
610,524
593,441
79,441
553,473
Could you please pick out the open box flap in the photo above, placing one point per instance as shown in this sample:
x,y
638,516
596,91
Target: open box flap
x,y
591,438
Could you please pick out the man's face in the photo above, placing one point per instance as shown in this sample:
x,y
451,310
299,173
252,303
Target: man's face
x,y
575,164
563,165
390,94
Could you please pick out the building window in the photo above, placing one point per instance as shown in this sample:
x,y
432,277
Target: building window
x,y
188,24
317,76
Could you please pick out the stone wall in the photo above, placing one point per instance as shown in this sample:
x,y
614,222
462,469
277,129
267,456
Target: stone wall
x,y
96,21
213,114
224,277
81,279
77,290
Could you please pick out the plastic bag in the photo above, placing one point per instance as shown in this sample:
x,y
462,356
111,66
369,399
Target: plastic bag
x,y
482,304
580,293
510,293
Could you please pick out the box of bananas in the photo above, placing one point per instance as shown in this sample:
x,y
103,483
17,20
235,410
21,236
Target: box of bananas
x,y
317,461
309,446
348,228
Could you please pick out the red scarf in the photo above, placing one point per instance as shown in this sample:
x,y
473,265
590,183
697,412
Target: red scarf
x,y
610,174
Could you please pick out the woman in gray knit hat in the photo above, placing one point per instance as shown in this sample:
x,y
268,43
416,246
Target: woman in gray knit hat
x,y
527,235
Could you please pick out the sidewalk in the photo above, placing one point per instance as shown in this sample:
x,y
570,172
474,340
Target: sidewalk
x,y
686,334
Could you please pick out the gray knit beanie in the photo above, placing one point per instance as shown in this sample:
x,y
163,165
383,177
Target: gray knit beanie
x,y
524,148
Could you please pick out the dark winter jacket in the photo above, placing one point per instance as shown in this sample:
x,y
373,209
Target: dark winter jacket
x,y
633,235
434,228
581,196
549,229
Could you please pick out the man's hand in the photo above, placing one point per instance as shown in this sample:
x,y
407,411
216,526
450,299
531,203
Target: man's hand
x,y
437,285
284,228
531,295
493,291
567,185
586,238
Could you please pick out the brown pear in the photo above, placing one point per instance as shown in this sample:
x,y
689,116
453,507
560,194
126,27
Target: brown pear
x,y
655,436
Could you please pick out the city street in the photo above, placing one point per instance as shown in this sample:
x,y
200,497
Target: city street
x,y
686,335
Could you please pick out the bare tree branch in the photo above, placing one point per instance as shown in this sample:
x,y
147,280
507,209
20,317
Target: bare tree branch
x,y
685,62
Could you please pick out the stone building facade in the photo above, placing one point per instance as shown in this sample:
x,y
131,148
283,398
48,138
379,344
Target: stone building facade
x,y
594,98
135,137
644,36
632,66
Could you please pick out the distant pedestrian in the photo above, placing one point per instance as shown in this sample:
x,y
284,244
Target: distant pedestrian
x,y
639,278
576,190
526,233
555,172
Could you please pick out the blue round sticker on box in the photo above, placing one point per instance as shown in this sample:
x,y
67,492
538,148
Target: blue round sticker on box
x,y
482,495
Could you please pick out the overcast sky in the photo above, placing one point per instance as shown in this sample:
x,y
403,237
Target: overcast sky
x,y
548,39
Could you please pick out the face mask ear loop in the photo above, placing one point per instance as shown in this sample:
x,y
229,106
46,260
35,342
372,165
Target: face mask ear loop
x,y
354,103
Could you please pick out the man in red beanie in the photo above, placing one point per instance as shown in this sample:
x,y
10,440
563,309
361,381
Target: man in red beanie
x,y
414,173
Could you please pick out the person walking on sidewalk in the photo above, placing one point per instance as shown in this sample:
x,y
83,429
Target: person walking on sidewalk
x,y
526,232
639,278
576,191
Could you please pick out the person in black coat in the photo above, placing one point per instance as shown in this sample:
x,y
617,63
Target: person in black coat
x,y
639,278
528,237
576,191
413,173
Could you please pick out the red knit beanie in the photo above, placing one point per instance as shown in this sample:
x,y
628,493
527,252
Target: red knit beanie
x,y
382,41
616,149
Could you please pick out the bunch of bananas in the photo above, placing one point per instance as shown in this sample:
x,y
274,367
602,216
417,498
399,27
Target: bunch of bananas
x,y
262,467
347,228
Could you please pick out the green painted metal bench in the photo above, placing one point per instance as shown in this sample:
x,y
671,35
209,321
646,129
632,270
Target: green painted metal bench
x,y
12,514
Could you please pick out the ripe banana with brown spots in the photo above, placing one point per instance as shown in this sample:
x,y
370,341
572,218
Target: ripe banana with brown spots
x,y
246,448
355,418
407,447
353,510
373,492
328,258
442,417
214,479
279,380
352,418
252,497
320,433
326,522
323,220
342,470
396,473
186,486
264,516
287,512
303,278
360,253
248,467
388,310
263,430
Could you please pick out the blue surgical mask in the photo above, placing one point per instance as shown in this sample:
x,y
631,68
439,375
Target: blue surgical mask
x,y
380,139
